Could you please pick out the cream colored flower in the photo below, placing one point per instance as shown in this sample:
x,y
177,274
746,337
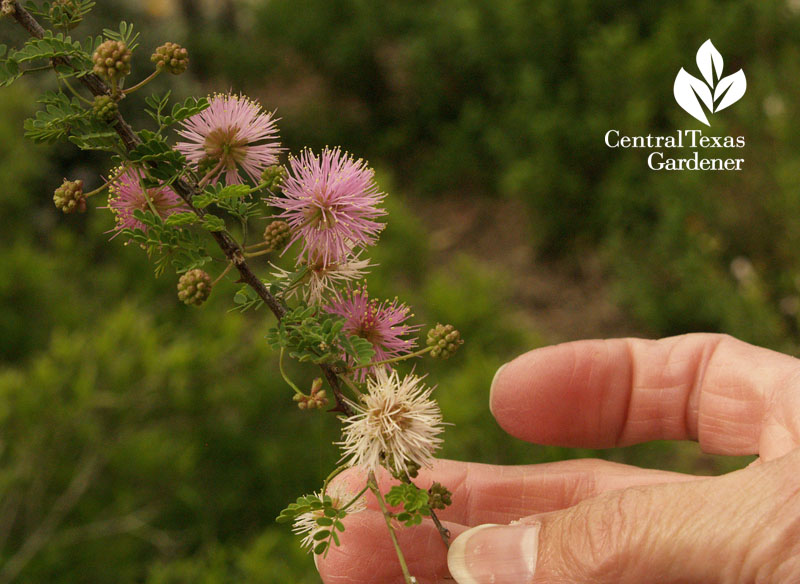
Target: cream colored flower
x,y
306,524
396,423
321,279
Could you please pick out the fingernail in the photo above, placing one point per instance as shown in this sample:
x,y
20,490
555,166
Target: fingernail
x,y
494,381
496,554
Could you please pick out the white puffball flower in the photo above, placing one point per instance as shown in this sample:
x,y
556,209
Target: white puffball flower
x,y
394,423
306,524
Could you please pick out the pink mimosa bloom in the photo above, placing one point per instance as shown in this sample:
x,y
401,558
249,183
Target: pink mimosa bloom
x,y
381,323
128,195
231,133
331,202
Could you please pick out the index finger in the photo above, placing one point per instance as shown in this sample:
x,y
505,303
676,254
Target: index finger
x,y
734,398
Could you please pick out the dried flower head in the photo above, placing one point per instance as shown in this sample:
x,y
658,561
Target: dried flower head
x,y
232,133
381,323
396,423
306,524
331,202
128,194
321,280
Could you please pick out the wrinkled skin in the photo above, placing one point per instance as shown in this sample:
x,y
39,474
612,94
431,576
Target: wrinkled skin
x,y
606,522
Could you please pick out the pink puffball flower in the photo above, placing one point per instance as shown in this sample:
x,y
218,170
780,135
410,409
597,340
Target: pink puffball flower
x,y
232,133
330,202
128,195
381,323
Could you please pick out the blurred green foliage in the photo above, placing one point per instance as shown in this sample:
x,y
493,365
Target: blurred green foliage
x,y
176,416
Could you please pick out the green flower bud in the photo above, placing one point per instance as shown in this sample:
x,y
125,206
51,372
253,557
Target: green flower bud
x,y
112,60
439,496
317,398
194,287
272,177
171,57
445,340
413,468
105,108
69,196
277,235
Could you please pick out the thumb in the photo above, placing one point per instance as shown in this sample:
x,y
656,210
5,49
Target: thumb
x,y
742,527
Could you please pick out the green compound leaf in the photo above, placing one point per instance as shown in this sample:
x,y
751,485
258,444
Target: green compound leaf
x,y
104,141
164,163
9,67
213,223
229,198
60,16
359,348
320,547
187,218
60,117
181,111
246,298
310,335
321,534
414,501
49,47
125,35
181,248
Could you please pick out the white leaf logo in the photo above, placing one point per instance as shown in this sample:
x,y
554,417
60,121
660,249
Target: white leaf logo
x,y
709,61
715,93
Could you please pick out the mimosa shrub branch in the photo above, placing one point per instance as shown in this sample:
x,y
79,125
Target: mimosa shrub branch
x,y
173,197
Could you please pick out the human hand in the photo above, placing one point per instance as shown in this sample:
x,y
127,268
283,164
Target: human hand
x,y
592,521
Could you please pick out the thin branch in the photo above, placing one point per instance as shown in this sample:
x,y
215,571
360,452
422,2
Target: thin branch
x,y
372,483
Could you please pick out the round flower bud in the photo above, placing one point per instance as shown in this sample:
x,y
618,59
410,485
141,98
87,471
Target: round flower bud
x,y
444,339
112,60
272,177
194,287
171,57
105,108
276,235
69,196
316,399
439,496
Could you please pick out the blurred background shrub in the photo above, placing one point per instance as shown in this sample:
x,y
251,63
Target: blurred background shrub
x,y
145,441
